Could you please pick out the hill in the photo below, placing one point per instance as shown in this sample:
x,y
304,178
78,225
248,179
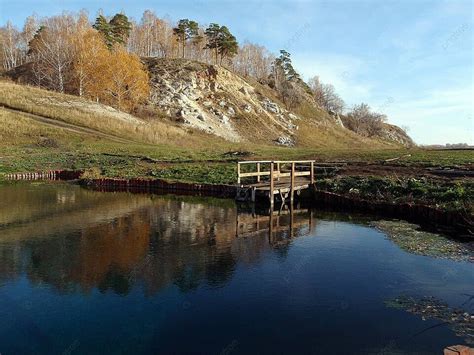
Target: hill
x,y
189,95
43,130
196,113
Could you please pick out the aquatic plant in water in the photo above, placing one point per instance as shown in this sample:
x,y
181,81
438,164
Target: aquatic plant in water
x,y
412,239
460,321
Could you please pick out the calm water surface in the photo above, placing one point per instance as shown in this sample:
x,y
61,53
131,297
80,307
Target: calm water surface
x,y
84,272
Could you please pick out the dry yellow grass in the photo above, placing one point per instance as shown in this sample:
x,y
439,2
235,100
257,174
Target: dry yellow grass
x,y
85,113
153,138
17,129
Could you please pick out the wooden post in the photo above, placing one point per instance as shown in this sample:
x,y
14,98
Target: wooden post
x,y
238,173
258,171
271,184
278,168
292,183
270,225
312,173
291,220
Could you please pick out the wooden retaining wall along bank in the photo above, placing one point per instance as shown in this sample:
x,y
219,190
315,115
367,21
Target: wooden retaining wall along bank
x,y
141,185
46,175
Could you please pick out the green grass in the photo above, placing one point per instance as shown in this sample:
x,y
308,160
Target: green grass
x,y
453,195
220,173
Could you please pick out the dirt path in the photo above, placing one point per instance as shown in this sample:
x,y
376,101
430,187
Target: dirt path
x,y
68,126
385,170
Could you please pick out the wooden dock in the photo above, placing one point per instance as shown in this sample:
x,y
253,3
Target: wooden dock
x,y
273,179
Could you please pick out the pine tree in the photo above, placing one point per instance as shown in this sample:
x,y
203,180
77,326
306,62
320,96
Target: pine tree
x,y
120,27
184,31
286,79
117,30
284,66
33,44
221,41
105,29
213,33
228,45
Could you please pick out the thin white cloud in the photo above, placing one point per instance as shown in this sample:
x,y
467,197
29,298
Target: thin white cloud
x,y
438,117
341,71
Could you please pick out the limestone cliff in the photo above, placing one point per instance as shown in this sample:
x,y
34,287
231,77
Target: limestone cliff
x,y
215,100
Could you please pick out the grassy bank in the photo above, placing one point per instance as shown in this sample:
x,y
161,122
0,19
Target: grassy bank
x,y
448,195
211,166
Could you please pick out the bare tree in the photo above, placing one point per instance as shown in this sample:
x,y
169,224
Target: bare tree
x,y
11,53
253,61
326,96
30,28
365,122
290,95
152,37
52,48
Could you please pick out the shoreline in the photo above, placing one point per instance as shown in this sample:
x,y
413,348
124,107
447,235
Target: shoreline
x,y
449,222
454,223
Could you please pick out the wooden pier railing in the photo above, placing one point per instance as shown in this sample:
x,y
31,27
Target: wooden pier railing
x,y
274,177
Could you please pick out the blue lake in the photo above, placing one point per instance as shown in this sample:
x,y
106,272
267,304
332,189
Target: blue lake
x,y
85,272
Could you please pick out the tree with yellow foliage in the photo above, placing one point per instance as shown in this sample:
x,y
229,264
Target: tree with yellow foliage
x,y
114,76
90,56
126,78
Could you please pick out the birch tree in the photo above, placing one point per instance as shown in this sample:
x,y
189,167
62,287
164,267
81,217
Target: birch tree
x,y
126,79
52,50
11,53
90,58
152,37
254,61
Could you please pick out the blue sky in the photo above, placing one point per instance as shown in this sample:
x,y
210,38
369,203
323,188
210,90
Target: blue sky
x,y
411,60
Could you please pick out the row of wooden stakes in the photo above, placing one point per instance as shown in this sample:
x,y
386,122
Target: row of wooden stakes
x,y
46,175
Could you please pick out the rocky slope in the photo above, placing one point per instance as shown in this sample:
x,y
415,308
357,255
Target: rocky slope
x,y
214,100
217,101
395,134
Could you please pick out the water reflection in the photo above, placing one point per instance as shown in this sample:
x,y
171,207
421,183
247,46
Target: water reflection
x,y
78,240
130,273
281,224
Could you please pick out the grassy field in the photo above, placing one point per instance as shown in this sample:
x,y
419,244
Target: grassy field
x,y
27,145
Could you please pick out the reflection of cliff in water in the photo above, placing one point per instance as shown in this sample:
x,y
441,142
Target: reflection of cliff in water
x,y
116,241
